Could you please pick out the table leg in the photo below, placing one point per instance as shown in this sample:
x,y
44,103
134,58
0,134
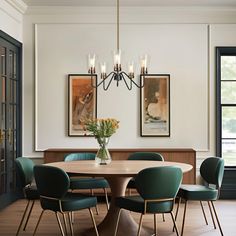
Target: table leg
x,y
127,225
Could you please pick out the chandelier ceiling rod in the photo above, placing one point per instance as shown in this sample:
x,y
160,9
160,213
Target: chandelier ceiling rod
x,y
118,24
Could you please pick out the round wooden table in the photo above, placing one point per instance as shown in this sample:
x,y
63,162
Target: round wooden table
x,y
118,174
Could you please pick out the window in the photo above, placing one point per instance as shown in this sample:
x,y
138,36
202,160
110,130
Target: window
x,y
226,104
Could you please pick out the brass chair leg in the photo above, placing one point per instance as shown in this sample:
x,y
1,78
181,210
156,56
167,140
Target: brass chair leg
x,y
65,222
97,212
23,217
212,217
94,223
175,226
40,217
185,209
117,222
217,219
177,211
107,202
59,223
204,214
96,207
155,225
70,223
140,225
163,217
32,205
72,215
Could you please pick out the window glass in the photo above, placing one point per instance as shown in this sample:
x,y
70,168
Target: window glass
x,y
228,67
229,151
229,122
228,92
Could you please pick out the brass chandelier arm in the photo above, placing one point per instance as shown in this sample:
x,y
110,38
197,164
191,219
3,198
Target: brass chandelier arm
x,y
102,82
142,77
118,76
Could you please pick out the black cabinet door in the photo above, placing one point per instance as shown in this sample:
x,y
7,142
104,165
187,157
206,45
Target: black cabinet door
x,y
10,115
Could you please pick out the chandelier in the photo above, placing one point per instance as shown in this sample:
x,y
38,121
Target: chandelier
x,y
117,74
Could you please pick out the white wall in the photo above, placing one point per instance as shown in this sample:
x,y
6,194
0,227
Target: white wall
x,y
11,18
166,57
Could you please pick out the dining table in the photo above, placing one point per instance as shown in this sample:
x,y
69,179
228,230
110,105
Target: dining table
x,y
117,173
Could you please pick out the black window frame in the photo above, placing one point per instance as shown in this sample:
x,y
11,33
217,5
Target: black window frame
x,y
221,51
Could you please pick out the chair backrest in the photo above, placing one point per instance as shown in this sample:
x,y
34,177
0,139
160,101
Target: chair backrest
x,y
80,156
51,181
212,170
24,168
148,156
159,182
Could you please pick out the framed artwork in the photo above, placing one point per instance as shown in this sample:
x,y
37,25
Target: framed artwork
x,y
155,105
82,102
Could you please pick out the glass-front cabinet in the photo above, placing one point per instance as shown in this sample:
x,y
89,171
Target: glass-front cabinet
x,y
10,114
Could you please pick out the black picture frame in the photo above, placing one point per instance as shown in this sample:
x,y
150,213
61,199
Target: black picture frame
x,y
82,103
155,106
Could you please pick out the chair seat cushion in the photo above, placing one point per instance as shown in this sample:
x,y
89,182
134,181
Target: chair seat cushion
x,y
70,202
88,183
136,204
197,192
31,192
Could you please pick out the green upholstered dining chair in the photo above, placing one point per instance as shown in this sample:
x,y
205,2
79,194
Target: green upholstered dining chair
x,y
211,170
87,183
24,169
157,188
148,156
53,185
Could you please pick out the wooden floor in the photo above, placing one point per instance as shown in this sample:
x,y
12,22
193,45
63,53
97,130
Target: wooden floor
x,y
195,224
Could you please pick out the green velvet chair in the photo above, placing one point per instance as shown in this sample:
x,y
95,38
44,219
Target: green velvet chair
x,y
87,183
53,185
145,156
157,188
211,170
24,169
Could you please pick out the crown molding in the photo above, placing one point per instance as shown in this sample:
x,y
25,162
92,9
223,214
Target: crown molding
x,y
19,5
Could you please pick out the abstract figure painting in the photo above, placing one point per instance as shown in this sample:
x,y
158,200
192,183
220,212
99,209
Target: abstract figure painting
x,y
82,103
155,106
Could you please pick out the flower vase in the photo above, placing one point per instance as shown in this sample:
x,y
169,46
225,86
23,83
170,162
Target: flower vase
x,y
103,156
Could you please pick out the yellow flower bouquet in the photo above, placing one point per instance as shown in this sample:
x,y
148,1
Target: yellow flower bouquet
x,y
102,129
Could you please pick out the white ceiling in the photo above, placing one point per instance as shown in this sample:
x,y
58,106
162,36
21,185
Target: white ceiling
x,y
167,3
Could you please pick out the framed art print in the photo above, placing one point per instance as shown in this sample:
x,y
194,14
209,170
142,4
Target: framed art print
x,y
155,105
82,102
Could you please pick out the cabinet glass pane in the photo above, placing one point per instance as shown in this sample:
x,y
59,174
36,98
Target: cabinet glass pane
x,y
3,60
15,91
228,122
14,118
228,67
3,112
14,65
228,92
229,151
11,68
3,80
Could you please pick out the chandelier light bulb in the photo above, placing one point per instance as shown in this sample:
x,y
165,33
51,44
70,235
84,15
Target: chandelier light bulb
x,y
91,63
